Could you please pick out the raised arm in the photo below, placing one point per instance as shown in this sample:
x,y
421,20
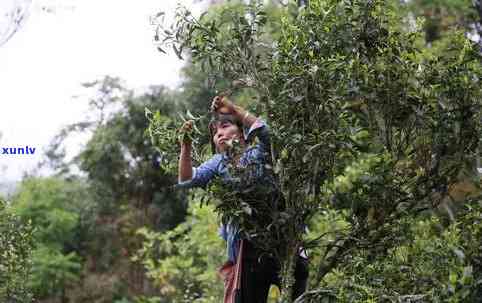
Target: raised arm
x,y
194,177
185,158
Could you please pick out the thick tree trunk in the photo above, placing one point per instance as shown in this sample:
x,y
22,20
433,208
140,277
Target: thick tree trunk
x,y
288,274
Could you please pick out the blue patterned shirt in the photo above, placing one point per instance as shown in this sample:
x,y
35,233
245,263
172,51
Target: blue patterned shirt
x,y
258,154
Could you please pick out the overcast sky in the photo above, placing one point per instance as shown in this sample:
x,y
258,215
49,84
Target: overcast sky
x,y
74,41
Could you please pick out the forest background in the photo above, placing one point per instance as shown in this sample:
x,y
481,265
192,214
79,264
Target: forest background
x,y
375,109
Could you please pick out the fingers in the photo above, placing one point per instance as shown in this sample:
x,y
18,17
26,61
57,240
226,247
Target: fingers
x,y
216,104
221,104
185,131
187,126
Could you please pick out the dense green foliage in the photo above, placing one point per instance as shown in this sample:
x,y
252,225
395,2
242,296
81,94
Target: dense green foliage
x,y
15,256
57,214
375,118
367,122
182,262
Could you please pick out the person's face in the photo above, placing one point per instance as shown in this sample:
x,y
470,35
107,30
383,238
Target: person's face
x,y
225,131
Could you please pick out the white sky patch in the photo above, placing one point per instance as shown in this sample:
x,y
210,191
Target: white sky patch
x,y
62,45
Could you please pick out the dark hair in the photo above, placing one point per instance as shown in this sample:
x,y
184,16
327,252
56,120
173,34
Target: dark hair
x,y
219,118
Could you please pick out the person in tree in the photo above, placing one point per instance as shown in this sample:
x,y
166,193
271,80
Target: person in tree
x,y
232,125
